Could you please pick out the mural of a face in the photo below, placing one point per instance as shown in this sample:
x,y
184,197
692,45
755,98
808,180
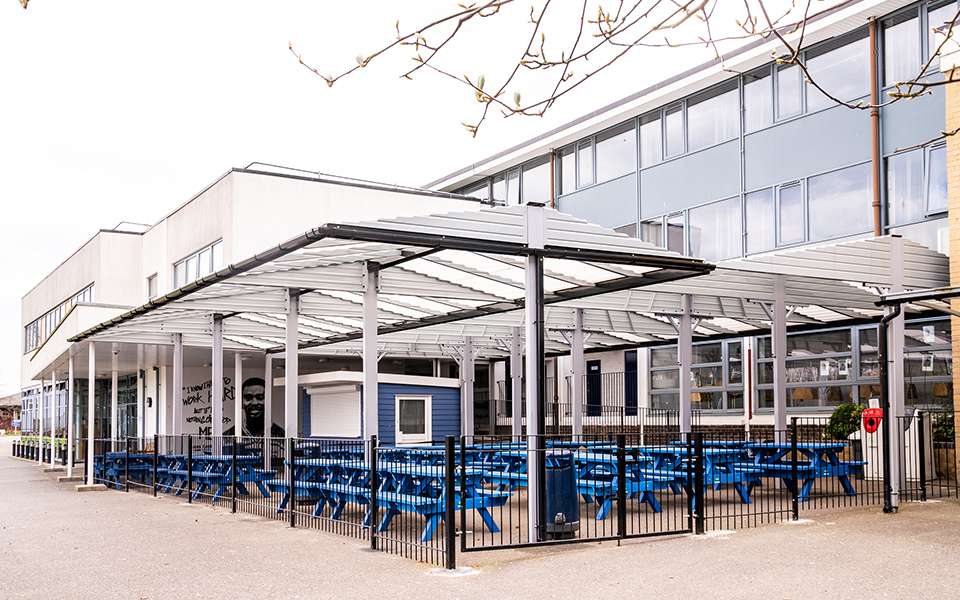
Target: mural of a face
x,y
252,394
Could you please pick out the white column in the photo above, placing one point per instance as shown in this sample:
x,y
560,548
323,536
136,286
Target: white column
x,y
577,365
216,396
467,375
516,383
70,432
371,421
91,409
141,416
267,409
291,399
895,373
534,220
53,416
491,397
177,408
114,401
684,357
40,410
778,331
237,398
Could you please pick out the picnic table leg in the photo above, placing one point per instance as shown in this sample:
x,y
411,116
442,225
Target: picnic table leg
x,y
284,500
341,503
321,504
487,518
807,486
651,499
605,506
430,527
388,515
743,490
847,486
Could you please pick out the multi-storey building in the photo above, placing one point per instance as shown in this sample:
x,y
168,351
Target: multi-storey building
x,y
742,157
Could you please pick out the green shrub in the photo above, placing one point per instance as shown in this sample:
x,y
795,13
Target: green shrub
x,y
844,420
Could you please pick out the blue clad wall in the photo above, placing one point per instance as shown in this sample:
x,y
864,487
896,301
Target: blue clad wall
x,y
446,409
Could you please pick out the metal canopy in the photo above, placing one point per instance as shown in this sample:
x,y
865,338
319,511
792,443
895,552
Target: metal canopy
x,y
435,271
443,278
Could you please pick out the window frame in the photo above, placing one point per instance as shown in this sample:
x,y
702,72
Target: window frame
x,y
195,256
427,435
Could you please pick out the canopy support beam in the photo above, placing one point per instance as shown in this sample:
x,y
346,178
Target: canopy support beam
x,y
91,409
53,417
114,396
778,336
577,386
71,434
371,279
467,375
216,396
237,395
516,384
535,373
177,408
684,356
291,368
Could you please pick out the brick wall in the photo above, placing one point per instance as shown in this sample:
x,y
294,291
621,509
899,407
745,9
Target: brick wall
x,y
953,195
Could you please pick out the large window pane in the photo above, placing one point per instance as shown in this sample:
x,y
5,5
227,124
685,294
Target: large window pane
x,y
179,274
901,48
675,233
937,182
536,181
480,190
674,126
761,221
513,186
939,18
706,353
585,164
651,140
791,215
568,170
651,231
715,230
821,342
712,117
927,333
616,153
843,72
663,357
757,99
905,187
500,189
840,203
788,91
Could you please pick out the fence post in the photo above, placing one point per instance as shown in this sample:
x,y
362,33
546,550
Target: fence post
x,y
463,486
126,464
233,475
374,492
292,461
690,480
156,455
621,486
922,442
700,506
794,471
189,468
449,494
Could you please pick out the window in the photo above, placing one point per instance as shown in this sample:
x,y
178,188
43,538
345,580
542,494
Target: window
x,y
513,187
790,205
536,181
716,376
712,117
585,163
675,238
939,18
820,370
757,99
616,153
789,101
839,202
38,330
651,140
152,287
842,71
480,190
674,131
500,189
568,170
413,419
905,187
937,180
651,231
715,230
199,264
761,221
901,48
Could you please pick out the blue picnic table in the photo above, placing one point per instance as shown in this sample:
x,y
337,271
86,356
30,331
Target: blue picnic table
x,y
819,460
215,471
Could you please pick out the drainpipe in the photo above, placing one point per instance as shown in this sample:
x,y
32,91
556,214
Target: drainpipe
x,y
553,182
889,422
875,131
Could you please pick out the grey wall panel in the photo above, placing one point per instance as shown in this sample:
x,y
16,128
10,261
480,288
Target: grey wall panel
x,y
610,204
909,122
703,176
806,146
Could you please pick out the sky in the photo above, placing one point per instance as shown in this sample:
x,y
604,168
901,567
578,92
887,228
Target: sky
x,y
115,111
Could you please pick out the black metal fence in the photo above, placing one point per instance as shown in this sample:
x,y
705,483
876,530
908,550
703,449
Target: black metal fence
x,y
415,501
32,449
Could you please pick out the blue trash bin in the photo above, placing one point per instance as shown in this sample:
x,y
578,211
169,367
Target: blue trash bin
x,y
562,505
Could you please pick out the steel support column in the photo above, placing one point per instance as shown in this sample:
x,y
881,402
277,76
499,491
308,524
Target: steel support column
x,y
684,357
177,408
40,419
216,377
896,389
91,409
291,367
535,371
577,366
516,383
237,396
370,351
467,376
53,417
114,396
140,381
71,434
778,337
267,410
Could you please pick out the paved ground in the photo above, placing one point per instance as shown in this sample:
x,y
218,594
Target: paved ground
x,y
55,543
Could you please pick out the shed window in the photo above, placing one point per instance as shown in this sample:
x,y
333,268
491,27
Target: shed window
x,y
413,419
